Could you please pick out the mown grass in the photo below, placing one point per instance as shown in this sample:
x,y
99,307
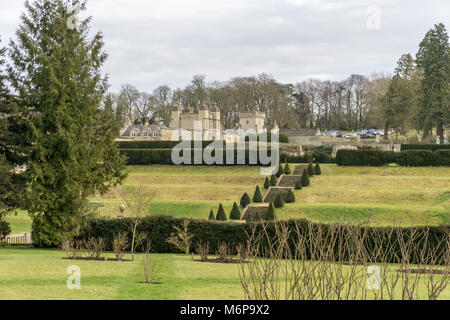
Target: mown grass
x,y
41,274
409,196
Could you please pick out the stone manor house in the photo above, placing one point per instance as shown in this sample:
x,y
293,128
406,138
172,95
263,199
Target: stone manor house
x,y
185,120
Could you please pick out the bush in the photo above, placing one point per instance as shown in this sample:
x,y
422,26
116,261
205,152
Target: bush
x,y
257,197
245,200
416,158
235,212
442,157
280,171
290,197
278,202
273,180
270,214
298,184
221,216
159,228
305,179
287,169
267,183
211,215
310,169
317,169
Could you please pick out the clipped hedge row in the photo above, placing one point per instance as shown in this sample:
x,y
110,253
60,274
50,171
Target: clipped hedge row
x,y
409,158
155,144
159,229
321,157
164,156
432,147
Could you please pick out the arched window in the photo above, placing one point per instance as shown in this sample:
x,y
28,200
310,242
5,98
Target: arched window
x,y
133,133
156,134
145,133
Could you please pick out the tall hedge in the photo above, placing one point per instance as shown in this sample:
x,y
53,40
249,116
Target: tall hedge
x,y
432,147
408,158
159,229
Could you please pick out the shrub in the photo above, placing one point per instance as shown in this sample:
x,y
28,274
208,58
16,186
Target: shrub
x,y
416,158
273,180
182,238
310,169
290,197
317,169
287,169
5,229
298,184
211,215
203,250
305,179
222,251
270,214
221,216
95,247
257,197
278,202
245,200
431,147
442,157
235,212
119,245
280,171
267,183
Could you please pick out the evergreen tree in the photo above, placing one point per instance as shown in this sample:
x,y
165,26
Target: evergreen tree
x,y
211,215
305,179
273,180
287,169
434,58
290,197
267,183
280,171
257,196
221,216
56,69
245,200
310,169
278,202
298,184
235,212
317,169
270,214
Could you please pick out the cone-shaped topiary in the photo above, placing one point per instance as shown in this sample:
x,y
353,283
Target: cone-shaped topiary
x,y
298,184
310,169
267,183
235,212
257,197
245,200
278,202
280,171
290,197
273,180
211,216
317,169
287,169
221,216
270,213
305,179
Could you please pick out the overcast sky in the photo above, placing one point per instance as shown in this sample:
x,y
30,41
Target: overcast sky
x,y
154,42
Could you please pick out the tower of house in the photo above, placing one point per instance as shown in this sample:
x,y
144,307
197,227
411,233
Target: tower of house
x,y
203,116
176,113
215,118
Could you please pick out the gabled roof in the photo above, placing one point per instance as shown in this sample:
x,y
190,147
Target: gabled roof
x,y
141,128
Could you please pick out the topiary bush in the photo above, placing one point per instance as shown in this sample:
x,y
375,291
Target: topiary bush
x,y
298,184
267,183
317,170
290,197
257,197
287,169
221,216
211,216
280,171
270,213
245,200
273,180
305,179
310,169
235,212
278,202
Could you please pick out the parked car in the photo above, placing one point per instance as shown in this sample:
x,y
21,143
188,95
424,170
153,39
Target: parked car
x,y
368,135
350,135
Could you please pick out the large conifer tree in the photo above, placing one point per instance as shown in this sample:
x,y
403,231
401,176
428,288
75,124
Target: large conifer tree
x,y
56,73
434,58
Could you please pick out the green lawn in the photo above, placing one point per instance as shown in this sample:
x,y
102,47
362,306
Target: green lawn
x,y
413,196
41,274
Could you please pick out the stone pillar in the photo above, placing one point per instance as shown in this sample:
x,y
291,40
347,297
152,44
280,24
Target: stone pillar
x,y
438,140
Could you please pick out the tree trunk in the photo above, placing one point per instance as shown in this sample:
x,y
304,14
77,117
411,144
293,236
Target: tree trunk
x,y
440,130
386,129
